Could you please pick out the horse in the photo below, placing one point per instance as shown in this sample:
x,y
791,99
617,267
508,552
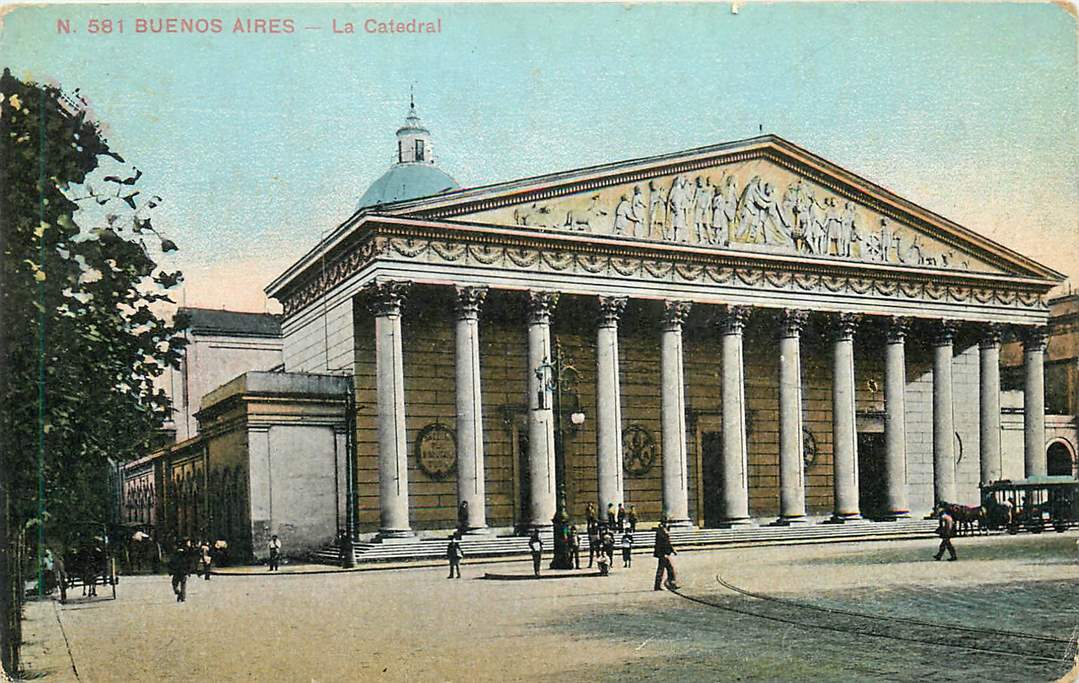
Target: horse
x,y
965,517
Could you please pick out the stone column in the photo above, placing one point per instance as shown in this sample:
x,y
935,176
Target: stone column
x,y
541,444
895,427
673,415
792,503
470,474
385,298
943,420
732,321
991,466
844,427
608,404
1034,458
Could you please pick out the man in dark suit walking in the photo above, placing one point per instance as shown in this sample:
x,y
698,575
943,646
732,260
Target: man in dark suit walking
x,y
662,552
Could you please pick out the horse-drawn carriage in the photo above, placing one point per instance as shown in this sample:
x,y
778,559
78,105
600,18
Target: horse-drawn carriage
x,y
1033,504
88,562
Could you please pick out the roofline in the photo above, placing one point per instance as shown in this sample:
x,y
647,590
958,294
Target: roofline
x,y
770,140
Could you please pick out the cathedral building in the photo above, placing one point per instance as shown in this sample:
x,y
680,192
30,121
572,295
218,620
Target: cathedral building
x,y
738,334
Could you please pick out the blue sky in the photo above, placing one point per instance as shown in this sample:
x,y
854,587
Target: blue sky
x,y
260,143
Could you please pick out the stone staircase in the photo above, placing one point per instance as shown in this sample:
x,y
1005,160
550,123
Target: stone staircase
x,y
493,546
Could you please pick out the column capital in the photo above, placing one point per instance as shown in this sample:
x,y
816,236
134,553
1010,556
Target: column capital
x,y
1035,338
896,329
675,314
844,325
991,335
385,297
944,332
541,304
470,301
732,319
792,321
610,310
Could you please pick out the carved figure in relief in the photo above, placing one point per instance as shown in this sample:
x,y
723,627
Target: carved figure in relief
x,y
759,217
912,255
702,209
629,214
833,226
888,241
724,205
656,206
679,202
848,230
580,219
534,214
638,210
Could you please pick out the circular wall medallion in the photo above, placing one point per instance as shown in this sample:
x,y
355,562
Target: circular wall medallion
x,y
638,450
809,447
436,450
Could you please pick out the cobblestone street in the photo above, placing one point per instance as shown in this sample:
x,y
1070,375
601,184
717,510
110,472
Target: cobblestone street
x,y
415,625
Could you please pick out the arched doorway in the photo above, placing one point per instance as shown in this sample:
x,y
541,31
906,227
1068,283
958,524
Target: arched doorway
x,y
1059,459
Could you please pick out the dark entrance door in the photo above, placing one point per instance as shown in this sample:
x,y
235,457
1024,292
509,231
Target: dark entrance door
x,y
1059,460
872,488
712,477
524,479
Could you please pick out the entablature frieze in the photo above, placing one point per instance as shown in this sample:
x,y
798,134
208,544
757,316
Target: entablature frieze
x,y
561,258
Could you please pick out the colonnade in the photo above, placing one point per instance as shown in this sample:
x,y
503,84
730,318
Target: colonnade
x,y
385,300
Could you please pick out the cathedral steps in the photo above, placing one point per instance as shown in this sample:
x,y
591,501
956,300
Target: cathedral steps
x,y
475,547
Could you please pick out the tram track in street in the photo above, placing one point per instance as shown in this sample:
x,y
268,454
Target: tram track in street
x,y
985,641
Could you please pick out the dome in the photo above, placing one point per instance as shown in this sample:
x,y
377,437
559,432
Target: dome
x,y
407,181
415,173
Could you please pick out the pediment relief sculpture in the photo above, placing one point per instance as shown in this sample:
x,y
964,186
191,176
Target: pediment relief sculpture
x,y
754,205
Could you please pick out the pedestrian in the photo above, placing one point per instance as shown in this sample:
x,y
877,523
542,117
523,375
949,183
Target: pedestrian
x,y
575,546
343,541
535,545
604,565
631,519
612,517
590,515
454,553
662,552
627,549
945,529
179,566
608,545
593,543
275,552
205,560
621,518
462,517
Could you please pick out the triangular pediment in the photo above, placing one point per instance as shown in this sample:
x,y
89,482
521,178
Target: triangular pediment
x,y
760,195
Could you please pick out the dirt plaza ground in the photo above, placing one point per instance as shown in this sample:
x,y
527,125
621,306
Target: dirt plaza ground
x,y
804,623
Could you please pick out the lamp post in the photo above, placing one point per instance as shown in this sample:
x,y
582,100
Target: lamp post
x,y
559,376
348,552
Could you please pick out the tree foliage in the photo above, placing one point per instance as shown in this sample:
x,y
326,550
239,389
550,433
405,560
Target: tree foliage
x,y
81,298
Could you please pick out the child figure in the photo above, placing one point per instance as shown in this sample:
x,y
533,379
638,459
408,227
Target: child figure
x,y
627,550
603,563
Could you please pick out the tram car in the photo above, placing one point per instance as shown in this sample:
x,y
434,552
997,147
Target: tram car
x,y
1033,504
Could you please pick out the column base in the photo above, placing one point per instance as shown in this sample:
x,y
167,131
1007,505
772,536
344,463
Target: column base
x,y
679,524
477,531
393,534
736,521
895,515
790,521
537,527
846,518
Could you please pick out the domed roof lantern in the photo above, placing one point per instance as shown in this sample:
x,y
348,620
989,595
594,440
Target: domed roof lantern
x,y
415,174
413,140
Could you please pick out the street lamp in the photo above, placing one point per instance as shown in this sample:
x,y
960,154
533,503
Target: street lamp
x,y
560,377
348,552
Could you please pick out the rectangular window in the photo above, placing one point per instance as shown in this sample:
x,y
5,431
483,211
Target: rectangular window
x,y
419,150
400,151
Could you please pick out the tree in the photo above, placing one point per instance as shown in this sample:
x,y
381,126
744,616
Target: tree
x,y
82,335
